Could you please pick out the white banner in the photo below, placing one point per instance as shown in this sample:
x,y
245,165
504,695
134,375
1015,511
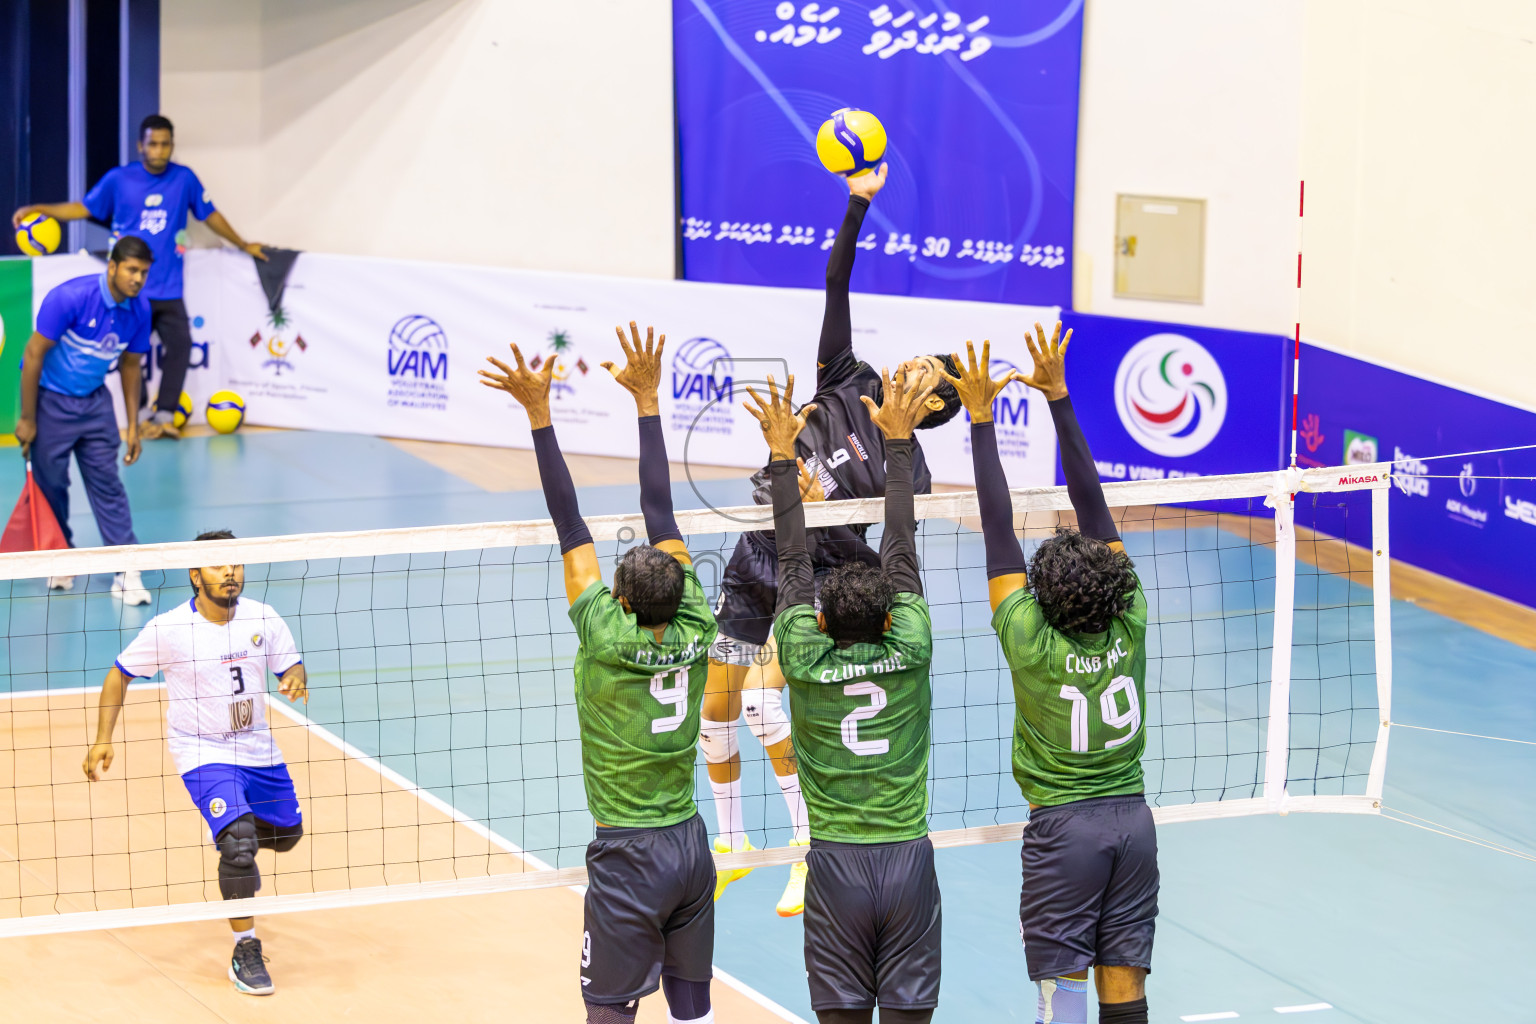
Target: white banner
x,y
391,348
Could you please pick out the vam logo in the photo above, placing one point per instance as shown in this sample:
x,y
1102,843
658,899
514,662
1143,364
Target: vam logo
x,y
1171,395
418,348
1011,406
702,372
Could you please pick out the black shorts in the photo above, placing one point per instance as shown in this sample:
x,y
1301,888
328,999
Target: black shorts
x,y
1090,886
749,588
873,921
649,911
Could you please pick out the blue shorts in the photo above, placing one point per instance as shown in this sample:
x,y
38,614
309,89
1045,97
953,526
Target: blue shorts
x,y
1090,886
224,792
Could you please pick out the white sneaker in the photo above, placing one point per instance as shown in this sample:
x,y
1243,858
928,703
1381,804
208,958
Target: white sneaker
x,y
61,583
130,588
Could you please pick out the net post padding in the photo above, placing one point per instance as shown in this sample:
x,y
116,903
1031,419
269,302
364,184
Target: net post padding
x,y
1381,585
1278,742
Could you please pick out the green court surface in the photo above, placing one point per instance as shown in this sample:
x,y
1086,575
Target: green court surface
x,y
454,670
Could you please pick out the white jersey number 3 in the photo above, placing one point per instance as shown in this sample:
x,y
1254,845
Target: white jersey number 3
x,y
876,695
675,695
1109,712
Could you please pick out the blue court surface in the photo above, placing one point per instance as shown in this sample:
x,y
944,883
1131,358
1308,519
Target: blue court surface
x,y
454,670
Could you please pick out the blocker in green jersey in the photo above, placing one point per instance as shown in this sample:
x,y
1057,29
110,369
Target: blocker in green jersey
x,y
861,701
649,911
1073,626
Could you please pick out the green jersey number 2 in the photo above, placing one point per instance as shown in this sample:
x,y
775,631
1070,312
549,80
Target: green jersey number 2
x,y
674,696
876,695
1109,713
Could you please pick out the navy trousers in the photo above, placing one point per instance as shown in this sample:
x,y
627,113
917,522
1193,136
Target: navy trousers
x,y
87,429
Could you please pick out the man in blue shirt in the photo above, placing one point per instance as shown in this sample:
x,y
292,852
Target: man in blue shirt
x,y
82,327
151,199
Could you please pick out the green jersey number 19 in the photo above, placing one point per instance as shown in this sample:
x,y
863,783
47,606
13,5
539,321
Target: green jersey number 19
x,y
1109,713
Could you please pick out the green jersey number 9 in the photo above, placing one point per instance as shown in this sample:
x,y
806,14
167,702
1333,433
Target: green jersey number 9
x,y
675,696
1109,713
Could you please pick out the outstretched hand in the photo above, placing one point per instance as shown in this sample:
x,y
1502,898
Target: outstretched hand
x,y
901,408
780,423
1049,376
529,387
641,375
867,185
975,384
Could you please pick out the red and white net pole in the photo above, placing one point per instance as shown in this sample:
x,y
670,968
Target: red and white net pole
x,y
1301,210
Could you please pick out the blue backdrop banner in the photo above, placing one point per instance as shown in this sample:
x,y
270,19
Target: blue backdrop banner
x,y
978,97
1161,400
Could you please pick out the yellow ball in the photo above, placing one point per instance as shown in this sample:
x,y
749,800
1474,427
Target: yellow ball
x,y
38,235
183,411
226,411
851,142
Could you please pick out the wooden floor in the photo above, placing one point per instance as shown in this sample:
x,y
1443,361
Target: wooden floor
x,y
135,839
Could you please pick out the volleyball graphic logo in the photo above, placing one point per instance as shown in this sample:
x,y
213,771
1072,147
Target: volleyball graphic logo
x,y
1171,395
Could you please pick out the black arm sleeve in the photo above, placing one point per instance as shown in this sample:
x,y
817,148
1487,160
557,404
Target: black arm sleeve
x,y
796,584
559,491
898,548
1004,556
1083,487
840,545
656,482
837,321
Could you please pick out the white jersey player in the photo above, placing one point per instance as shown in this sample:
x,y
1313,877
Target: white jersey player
x,y
216,650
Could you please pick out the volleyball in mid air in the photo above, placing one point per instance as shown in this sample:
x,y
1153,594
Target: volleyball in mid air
x,y
226,411
851,142
38,235
183,411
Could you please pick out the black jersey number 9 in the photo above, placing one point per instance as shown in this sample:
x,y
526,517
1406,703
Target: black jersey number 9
x,y
238,677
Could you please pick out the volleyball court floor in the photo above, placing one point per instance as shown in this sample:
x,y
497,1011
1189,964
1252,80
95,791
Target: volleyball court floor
x,y
1375,919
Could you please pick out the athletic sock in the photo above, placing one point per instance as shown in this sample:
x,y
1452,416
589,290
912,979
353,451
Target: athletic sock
x,y
1134,1012
728,812
249,933
799,817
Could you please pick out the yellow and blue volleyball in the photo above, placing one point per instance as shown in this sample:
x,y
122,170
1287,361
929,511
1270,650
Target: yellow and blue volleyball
x,y
38,235
226,411
851,142
183,411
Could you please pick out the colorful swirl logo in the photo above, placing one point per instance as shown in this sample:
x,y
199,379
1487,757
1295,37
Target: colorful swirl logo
x,y
1171,395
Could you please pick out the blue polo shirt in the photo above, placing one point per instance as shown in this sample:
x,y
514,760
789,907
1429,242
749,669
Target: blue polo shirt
x,y
154,207
89,331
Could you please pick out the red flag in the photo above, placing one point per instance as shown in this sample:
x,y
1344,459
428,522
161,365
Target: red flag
x,y
33,526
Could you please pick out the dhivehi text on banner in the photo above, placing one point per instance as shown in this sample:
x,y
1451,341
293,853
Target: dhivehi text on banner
x,y
979,99
391,348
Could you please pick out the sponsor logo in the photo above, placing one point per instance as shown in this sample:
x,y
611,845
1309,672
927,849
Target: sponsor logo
x,y
703,387
154,221
1347,479
1519,508
567,363
417,361
1463,512
217,807
154,199
1311,432
1410,475
858,447
183,242
281,343
108,342
1467,480
256,640
1359,448
1171,395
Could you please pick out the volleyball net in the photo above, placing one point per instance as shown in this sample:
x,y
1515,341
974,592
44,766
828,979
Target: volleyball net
x,y
438,753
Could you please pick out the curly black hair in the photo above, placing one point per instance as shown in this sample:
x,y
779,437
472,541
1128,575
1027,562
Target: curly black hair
x,y
1081,584
856,598
652,581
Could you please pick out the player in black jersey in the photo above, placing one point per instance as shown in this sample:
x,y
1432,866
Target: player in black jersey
x,y
846,454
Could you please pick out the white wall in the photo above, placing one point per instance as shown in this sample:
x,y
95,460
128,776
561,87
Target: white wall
x,y
1417,148
479,131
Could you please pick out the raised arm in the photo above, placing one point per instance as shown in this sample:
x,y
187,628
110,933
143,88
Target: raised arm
x,y
531,389
897,417
781,425
641,377
1005,558
837,321
1049,377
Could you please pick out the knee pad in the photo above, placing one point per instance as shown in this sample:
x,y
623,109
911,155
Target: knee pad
x,y
764,711
730,651
279,838
718,740
1134,1012
1063,1000
238,843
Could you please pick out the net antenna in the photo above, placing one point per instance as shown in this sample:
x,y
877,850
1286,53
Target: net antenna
x,y
1301,211
437,755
